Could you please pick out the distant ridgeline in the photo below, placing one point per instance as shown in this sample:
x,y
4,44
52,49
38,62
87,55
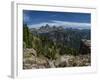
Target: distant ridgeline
x,y
63,40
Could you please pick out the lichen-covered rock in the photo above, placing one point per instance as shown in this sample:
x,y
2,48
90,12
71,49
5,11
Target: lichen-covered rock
x,y
30,51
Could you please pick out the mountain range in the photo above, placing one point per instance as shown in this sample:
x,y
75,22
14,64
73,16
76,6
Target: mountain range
x,y
59,34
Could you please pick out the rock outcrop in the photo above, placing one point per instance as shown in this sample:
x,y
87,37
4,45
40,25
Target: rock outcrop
x,y
85,46
31,60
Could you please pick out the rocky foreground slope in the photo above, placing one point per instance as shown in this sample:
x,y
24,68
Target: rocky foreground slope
x,y
32,61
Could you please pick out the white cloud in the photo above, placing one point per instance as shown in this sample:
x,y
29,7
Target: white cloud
x,y
63,23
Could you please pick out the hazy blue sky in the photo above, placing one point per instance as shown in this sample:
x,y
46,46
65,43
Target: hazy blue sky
x,y
67,19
